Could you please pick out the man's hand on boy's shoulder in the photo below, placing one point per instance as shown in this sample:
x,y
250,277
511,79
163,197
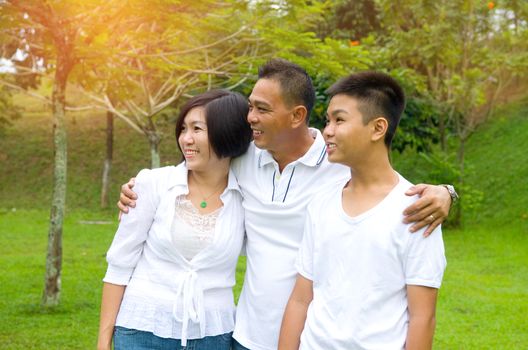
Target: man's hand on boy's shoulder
x,y
431,209
127,197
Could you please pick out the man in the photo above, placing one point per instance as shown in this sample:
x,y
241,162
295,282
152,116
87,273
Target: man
x,y
278,175
365,281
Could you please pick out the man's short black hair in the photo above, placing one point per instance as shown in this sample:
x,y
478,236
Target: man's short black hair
x,y
296,85
226,113
378,95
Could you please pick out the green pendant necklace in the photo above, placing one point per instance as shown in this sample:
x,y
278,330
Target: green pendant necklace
x,y
203,203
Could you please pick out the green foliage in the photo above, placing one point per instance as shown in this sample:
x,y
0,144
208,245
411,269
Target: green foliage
x,y
417,128
468,55
439,167
443,168
8,112
350,20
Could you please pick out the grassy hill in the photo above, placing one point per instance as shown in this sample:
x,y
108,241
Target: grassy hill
x,y
496,166
498,153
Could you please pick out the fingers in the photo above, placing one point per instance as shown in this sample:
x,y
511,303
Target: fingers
x,y
126,190
417,207
428,211
424,212
122,208
125,200
416,189
431,221
422,217
432,227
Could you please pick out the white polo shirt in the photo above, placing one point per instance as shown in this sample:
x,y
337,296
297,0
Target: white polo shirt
x,y
360,267
275,207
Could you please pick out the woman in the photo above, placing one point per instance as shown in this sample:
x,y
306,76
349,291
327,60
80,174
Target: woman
x,y
171,266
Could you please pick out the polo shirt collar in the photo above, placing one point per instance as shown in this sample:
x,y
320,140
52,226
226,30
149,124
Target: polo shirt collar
x,y
314,157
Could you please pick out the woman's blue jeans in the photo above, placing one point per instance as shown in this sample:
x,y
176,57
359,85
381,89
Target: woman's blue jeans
x,y
132,339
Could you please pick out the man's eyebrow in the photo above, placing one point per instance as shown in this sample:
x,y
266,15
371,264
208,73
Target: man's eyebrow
x,y
259,103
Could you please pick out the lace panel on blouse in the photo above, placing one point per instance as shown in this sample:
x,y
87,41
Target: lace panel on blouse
x,y
192,231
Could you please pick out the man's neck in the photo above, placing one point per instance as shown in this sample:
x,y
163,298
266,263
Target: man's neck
x,y
294,148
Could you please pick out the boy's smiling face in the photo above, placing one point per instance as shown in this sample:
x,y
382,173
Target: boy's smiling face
x,y
347,137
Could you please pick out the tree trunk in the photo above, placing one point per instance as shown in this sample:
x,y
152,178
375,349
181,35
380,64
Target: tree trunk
x,y
108,160
52,286
154,152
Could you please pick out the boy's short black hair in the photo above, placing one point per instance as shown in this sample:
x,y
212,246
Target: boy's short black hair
x,y
378,95
226,113
296,85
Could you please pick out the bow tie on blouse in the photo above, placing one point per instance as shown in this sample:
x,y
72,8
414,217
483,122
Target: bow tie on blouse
x,y
191,294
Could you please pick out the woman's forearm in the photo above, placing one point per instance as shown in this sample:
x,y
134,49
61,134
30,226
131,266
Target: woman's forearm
x,y
110,303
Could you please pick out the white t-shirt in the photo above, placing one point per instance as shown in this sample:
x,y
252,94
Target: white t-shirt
x,y
360,267
275,208
167,294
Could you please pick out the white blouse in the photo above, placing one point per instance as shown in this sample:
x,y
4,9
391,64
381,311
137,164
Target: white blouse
x,y
167,294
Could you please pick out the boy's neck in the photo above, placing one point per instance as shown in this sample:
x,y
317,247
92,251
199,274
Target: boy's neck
x,y
369,184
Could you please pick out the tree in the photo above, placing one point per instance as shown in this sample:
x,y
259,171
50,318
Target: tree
x,y
182,51
107,165
468,54
57,34
173,50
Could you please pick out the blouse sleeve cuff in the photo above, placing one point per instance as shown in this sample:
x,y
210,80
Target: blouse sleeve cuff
x,y
118,275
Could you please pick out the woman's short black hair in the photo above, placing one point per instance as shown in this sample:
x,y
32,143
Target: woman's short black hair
x,y
226,113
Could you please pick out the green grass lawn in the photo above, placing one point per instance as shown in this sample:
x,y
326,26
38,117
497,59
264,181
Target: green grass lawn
x,y
483,302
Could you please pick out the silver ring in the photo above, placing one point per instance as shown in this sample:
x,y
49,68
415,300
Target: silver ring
x,y
432,217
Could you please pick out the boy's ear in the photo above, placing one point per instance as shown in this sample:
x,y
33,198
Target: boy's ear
x,y
299,115
379,128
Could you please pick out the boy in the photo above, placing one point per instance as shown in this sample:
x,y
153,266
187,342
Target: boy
x,y
364,282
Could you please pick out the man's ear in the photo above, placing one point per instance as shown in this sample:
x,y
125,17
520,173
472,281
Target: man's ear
x,y
299,115
380,126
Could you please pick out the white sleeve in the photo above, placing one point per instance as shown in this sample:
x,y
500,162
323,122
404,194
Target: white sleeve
x,y
424,261
304,262
132,232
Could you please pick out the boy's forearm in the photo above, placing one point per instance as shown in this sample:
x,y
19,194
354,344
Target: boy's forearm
x,y
422,305
420,333
292,325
